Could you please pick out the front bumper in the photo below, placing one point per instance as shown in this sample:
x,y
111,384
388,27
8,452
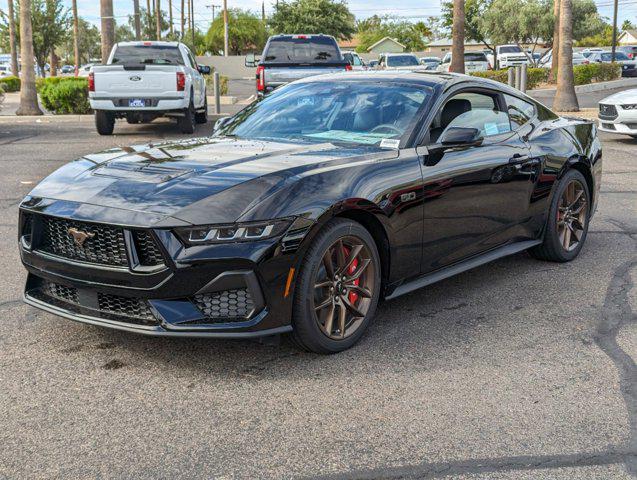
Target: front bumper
x,y
227,290
623,122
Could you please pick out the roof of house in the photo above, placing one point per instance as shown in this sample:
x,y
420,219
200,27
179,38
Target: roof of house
x,y
632,32
384,39
350,44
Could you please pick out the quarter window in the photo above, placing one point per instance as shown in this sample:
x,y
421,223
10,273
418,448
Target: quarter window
x,y
520,111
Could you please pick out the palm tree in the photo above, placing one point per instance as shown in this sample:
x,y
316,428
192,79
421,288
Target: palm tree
x,y
28,95
108,28
76,38
15,70
158,19
556,39
138,27
565,97
183,18
170,16
457,47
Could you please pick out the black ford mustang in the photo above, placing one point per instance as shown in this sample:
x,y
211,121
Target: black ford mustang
x,y
306,208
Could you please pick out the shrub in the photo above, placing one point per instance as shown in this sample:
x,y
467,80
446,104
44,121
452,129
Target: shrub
x,y
534,76
596,72
223,87
69,95
1,96
40,83
10,84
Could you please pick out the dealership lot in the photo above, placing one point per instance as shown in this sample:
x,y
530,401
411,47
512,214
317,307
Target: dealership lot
x,y
518,369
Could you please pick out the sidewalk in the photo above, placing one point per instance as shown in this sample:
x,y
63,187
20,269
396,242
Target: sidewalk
x,y
229,106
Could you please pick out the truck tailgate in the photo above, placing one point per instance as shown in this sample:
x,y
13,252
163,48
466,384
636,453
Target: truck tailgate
x,y
276,75
153,80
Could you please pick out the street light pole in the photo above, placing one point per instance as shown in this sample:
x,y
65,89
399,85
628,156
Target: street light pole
x,y
213,7
225,28
612,56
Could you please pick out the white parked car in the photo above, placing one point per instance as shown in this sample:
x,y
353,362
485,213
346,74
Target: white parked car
x,y
84,70
618,113
399,61
473,62
508,56
5,70
547,59
145,80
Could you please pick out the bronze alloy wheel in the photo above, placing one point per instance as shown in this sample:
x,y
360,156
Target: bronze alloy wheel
x,y
572,214
343,287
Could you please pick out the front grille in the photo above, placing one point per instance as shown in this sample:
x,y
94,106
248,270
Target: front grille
x,y
632,126
225,306
607,112
125,306
104,245
60,292
88,302
147,250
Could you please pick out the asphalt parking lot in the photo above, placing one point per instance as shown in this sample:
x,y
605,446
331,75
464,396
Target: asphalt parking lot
x,y
520,369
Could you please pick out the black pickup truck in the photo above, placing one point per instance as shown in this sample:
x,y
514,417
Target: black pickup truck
x,y
287,58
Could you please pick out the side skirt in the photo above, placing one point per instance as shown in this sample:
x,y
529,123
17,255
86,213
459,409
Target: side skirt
x,y
460,267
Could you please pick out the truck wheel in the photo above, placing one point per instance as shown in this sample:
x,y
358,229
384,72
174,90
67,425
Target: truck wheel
x,y
202,117
104,122
187,122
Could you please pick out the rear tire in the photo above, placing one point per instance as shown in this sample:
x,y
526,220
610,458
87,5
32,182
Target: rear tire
x,y
187,122
335,298
104,122
567,222
202,117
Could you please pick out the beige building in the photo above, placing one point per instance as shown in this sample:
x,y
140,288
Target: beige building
x,y
440,47
628,37
386,45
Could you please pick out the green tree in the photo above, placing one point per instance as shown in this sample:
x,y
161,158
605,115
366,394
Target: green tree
x,y
628,25
246,32
89,43
515,21
148,24
375,28
199,45
330,17
51,25
473,11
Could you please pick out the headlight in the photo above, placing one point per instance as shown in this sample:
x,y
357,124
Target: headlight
x,y
238,232
630,106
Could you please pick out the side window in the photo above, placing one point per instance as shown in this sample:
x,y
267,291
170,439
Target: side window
x,y
519,110
471,110
191,60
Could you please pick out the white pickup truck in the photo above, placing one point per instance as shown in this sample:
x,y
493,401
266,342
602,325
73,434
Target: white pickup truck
x,y
508,56
145,80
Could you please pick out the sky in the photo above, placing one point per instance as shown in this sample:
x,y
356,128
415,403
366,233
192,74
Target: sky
x,y
413,10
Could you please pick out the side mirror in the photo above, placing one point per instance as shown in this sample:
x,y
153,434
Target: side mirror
x,y
204,69
457,136
251,60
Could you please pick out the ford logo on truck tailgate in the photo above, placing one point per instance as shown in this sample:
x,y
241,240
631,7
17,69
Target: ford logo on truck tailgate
x,y
135,78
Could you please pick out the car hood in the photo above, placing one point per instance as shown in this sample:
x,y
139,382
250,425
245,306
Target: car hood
x,y
220,178
626,96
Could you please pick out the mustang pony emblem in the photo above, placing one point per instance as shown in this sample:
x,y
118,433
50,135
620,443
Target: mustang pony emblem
x,y
79,236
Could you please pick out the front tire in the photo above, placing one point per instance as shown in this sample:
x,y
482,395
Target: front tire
x,y
104,122
187,122
337,288
567,222
202,117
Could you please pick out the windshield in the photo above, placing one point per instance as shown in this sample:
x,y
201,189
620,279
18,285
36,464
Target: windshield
x,y
607,57
475,57
402,61
302,50
148,55
363,113
510,49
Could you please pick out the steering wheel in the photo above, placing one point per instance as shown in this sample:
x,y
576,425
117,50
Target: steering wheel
x,y
386,127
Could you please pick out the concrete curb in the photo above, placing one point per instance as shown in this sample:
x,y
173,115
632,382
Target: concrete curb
x,y
594,87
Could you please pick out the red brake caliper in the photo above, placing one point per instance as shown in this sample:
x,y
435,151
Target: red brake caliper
x,y
353,296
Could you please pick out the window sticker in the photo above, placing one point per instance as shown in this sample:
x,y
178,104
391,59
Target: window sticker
x,y
390,143
491,128
305,101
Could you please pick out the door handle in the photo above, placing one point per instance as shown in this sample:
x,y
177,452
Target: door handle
x,y
518,158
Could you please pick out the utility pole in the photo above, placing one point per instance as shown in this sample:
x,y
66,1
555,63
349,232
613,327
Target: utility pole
x,y
612,56
138,28
76,39
263,11
192,22
225,28
158,19
149,20
213,7
108,28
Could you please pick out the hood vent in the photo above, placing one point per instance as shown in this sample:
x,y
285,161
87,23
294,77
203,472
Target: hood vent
x,y
141,172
